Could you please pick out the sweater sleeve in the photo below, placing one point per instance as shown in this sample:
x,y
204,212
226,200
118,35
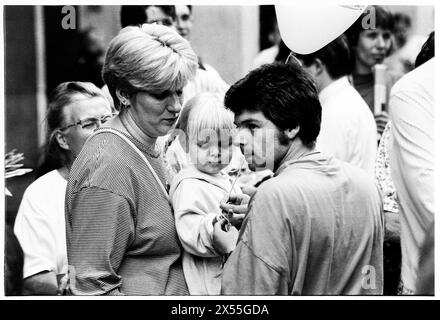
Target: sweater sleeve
x,y
99,231
259,263
245,273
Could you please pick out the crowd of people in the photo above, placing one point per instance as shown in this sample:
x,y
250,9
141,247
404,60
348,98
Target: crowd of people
x,y
168,181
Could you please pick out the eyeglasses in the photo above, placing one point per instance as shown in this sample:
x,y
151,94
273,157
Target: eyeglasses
x,y
90,123
292,59
184,17
164,22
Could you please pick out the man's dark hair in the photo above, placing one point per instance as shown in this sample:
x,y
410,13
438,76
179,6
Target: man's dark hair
x,y
383,18
284,93
335,56
427,51
137,15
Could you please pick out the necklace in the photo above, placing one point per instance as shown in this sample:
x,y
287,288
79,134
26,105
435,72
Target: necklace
x,y
152,150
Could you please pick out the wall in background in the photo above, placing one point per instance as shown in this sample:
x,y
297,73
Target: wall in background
x,y
422,17
227,37
20,117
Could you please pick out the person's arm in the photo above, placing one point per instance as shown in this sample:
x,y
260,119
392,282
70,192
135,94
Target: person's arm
x,y
246,273
412,156
34,232
100,228
43,283
194,221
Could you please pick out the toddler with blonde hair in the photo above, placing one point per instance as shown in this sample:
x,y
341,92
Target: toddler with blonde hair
x,y
204,130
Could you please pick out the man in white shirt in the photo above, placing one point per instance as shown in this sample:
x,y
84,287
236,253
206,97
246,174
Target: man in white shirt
x,y
348,129
412,165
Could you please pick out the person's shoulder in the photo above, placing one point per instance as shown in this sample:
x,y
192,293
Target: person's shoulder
x,y
350,101
281,185
43,195
413,80
358,177
189,180
106,147
50,176
350,168
356,110
107,161
394,76
52,180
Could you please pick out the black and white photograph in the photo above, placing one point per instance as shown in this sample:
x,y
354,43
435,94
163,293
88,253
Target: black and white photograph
x,y
221,151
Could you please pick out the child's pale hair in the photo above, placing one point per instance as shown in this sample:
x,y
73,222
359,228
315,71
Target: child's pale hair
x,y
204,115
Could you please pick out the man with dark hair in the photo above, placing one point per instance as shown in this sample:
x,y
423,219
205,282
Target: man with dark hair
x,y
348,129
138,15
316,226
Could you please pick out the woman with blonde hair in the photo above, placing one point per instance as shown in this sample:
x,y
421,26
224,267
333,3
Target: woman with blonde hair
x,y
121,236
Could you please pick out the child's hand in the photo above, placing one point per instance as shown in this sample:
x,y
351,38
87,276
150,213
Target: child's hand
x,y
224,241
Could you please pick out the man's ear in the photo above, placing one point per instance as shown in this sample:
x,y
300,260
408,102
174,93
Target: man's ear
x,y
319,66
291,133
61,140
122,97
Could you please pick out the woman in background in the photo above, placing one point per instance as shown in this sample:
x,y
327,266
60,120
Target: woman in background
x,y
75,110
371,42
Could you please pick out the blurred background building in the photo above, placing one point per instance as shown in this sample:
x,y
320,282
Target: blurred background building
x,y
40,53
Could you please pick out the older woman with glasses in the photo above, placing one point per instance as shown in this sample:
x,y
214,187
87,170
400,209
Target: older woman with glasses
x,y
75,110
121,236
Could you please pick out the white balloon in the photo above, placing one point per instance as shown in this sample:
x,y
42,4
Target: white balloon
x,y
306,29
